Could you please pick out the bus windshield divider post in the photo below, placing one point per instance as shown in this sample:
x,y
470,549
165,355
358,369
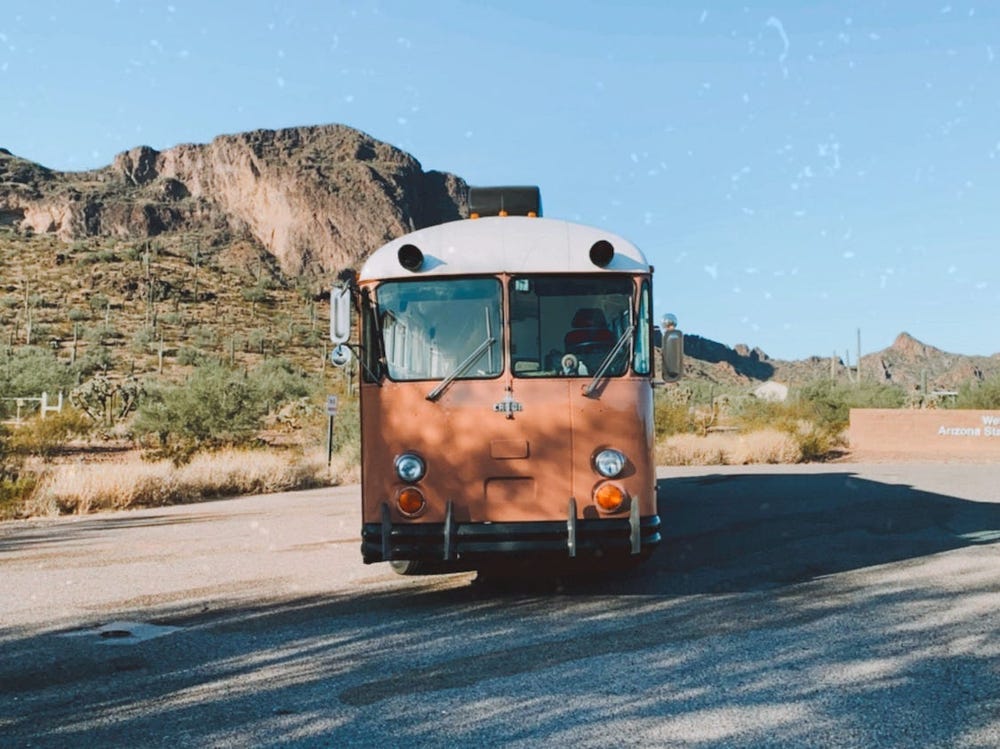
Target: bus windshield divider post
x,y
571,527
633,525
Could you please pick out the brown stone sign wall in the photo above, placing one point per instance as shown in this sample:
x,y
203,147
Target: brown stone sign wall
x,y
934,432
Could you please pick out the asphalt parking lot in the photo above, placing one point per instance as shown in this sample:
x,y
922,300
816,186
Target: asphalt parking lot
x,y
835,605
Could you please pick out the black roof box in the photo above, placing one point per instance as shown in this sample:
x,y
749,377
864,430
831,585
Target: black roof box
x,y
513,201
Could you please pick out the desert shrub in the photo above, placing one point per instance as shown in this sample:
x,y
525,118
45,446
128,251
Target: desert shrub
x,y
256,294
814,422
189,356
672,411
671,418
984,395
44,437
15,491
98,302
100,334
816,442
751,414
142,338
829,403
215,406
256,339
29,371
94,359
347,429
205,336
278,380
15,486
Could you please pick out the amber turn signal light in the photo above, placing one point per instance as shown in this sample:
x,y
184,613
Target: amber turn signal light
x,y
609,497
410,501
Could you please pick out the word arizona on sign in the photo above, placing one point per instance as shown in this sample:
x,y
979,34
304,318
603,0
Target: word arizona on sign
x,y
936,432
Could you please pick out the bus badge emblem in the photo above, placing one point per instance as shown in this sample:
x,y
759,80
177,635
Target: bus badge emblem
x,y
508,406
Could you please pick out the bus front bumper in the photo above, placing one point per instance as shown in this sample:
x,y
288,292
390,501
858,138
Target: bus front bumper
x,y
633,536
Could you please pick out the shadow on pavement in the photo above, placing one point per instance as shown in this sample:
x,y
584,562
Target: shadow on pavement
x,y
732,627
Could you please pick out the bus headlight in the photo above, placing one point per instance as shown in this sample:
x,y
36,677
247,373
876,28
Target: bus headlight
x,y
609,497
410,468
609,463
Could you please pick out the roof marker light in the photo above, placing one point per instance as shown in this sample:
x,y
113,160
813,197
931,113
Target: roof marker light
x,y
410,257
601,253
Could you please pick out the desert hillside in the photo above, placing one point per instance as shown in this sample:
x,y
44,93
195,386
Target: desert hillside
x,y
228,247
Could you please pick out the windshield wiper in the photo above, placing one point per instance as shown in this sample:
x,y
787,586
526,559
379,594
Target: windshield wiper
x,y
458,371
599,374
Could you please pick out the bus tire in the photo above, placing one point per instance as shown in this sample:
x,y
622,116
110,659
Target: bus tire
x,y
408,567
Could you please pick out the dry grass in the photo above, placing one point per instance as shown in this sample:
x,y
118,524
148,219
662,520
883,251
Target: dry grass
x,y
763,446
81,487
88,487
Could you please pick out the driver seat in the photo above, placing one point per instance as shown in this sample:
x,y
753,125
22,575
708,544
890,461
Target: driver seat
x,y
590,333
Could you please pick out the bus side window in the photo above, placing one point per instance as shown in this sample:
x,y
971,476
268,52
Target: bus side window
x,y
371,345
643,347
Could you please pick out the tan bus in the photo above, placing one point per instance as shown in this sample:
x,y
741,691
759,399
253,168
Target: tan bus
x,y
506,392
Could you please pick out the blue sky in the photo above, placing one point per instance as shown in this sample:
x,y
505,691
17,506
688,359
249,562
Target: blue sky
x,y
795,171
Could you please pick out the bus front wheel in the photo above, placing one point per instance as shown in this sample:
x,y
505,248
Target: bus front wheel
x,y
408,567
426,567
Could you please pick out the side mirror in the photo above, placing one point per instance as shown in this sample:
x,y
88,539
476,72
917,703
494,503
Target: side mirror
x,y
672,350
340,356
340,314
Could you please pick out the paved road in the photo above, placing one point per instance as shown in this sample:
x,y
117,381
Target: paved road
x,y
838,605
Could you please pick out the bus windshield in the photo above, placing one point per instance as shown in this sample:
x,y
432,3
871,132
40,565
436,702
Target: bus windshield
x,y
435,329
569,326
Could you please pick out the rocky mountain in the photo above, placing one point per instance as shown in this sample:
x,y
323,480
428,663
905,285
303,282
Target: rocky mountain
x,y
908,363
316,198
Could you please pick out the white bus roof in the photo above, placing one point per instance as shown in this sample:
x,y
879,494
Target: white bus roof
x,y
512,244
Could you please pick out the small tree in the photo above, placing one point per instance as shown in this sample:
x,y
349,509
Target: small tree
x,y
29,371
215,406
984,395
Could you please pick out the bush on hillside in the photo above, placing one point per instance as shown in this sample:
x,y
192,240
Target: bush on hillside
x,y
29,371
830,403
216,406
44,437
985,395
15,485
278,381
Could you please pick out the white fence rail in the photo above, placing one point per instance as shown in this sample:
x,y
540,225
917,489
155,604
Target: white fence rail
x,y
26,404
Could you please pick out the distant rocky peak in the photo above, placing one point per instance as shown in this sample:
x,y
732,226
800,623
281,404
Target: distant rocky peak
x,y
908,346
318,198
137,165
